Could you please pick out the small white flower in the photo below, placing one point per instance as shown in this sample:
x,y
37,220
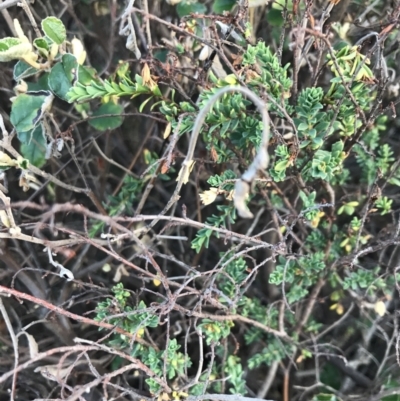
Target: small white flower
x,y
208,197
380,308
78,50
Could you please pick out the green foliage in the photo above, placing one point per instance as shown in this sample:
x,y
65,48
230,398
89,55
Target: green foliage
x,y
326,164
384,204
391,383
63,75
219,6
323,122
225,181
215,331
347,61
33,145
278,173
373,165
14,49
28,108
316,140
175,361
229,120
300,273
107,88
54,29
23,70
236,273
331,376
309,204
234,371
108,121
32,105
311,123
203,235
186,7
122,203
273,352
124,200
8,43
134,321
349,208
252,307
26,113
272,78
202,239
365,279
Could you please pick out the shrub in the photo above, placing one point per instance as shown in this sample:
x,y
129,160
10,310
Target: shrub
x,y
253,238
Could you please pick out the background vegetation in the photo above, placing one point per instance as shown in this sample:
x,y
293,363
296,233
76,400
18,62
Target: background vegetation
x,y
264,265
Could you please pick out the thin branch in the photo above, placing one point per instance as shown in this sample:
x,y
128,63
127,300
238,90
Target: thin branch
x,y
260,162
268,380
223,397
66,313
15,346
8,4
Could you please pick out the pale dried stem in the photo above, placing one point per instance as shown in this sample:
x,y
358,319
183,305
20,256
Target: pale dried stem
x,y
15,346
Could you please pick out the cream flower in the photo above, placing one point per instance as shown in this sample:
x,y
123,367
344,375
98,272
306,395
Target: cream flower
x,y
208,197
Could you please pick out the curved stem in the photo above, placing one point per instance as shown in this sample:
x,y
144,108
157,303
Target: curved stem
x,y
260,162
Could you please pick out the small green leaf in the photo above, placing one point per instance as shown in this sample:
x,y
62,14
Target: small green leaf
x,y
63,75
186,7
27,109
54,29
317,143
33,146
274,17
23,70
143,105
281,166
86,75
337,148
302,127
6,43
42,45
13,48
179,48
156,91
42,84
109,122
161,55
220,6
231,79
